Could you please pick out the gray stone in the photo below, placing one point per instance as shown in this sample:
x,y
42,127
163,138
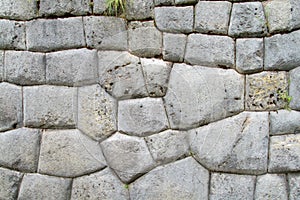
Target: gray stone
x,y
238,144
199,95
249,55
12,35
174,47
72,67
231,186
156,73
185,2
202,50
104,32
284,153
294,186
174,19
1,65
120,74
168,146
97,112
271,186
37,186
212,17
144,39
284,122
139,9
184,179
163,2
294,90
102,185
54,34
141,117
10,106
24,67
50,106
295,8
99,6
128,156
68,153
247,20
9,184
21,10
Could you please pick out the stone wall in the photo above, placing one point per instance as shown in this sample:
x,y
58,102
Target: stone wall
x,y
174,99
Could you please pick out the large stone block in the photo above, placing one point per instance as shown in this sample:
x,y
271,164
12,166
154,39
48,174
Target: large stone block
x,y
174,47
294,90
22,10
284,122
12,34
294,186
139,9
10,182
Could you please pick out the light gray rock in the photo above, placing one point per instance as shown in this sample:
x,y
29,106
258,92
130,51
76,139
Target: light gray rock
x,y
50,106
37,186
10,106
212,16
139,9
184,179
156,73
284,122
104,32
231,186
284,153
295,8
185,2
102,185
22,10
72,67
202,50
12,35
174,47
144,39
163,2
247,20
128,156
9,184
97,112
294,89
69,153
24,67
294,186
141,117
249,55
99,6
199,95
271,186
1,65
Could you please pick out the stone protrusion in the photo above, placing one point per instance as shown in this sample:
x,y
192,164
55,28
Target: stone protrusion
x,y
12,34
10,182
174,47
284,122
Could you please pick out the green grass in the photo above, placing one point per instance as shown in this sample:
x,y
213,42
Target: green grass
x,y
116,7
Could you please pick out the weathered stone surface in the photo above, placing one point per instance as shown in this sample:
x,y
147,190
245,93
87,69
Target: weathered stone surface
x,y
156,73
284,153
144,39
231,186
104,32
141,117
174,47
163,2
294,186
10,106
264,91
99,6
12,34
128,156
22,10
295,8
72,67
284,122
63,7
202,50
9,184
238,144
249,55
271,186
24,67
68,153
184,179
180,2
101,185
294,90
139,9
121,75
97,112
212,16
36,186
247,19
199,95
1,65
49,106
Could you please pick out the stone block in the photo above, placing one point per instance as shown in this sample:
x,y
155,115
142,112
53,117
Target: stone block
x,y
294,186
284,122
10,182
295,8
163,2
1,65
99,6
21,10
174,47
12,35
139,9
294,90
185,2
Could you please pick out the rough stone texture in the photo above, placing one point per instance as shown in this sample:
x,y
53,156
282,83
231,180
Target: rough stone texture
x,y
264,91
231,186
163,2
184,179
295,8
128,156
294,186
247,20
1,65
104,32
174,47
99,6
174,19
72,67
10,106
77,154
202,50
284,122
212,17
97,112
284,153
139,9
102,185
156,73
9,184
294,90
24,67
36,186
144,39
271,186
199,95
249,55
54,34
49,106
12,34
22,10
